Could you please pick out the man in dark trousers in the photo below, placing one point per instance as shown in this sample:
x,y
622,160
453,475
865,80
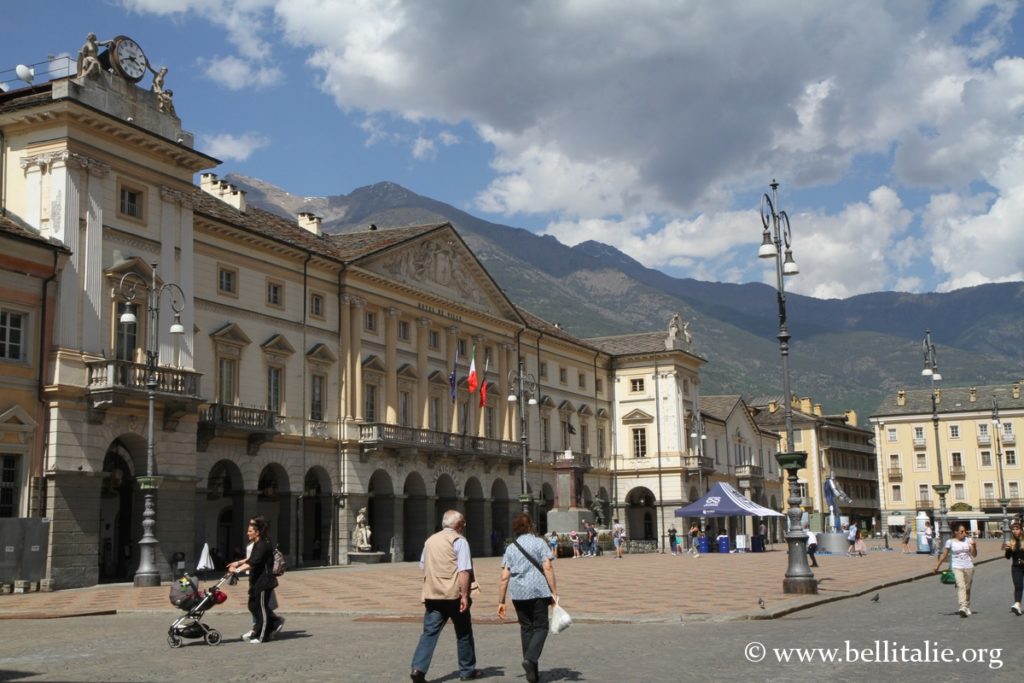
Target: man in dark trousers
x,y
447,575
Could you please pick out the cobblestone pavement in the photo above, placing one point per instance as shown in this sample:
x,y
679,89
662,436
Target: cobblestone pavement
x,y
712,587
918,616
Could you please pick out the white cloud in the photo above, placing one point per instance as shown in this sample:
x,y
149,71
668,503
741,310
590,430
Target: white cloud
x,y
230,147
422,148
239,74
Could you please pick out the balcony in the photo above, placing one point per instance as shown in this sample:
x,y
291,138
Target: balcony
x,y
1007,439
258,425
115,382
925,504
571,458
850,446
957,471
695,464
895,473
920,442
375,437
749,472
984,440
992,504
855,473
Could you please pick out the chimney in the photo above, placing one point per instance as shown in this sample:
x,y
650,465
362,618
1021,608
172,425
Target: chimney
x,y
805,405
938,395
310,222
1016,389
817,409
773,406
851,418
235,197
901,398
973,394
208,183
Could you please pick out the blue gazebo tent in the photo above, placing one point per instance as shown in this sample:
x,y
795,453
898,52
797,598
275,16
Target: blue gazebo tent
x,y
723,500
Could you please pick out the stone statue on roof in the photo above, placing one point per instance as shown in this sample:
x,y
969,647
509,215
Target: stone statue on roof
x,y
88,56
677,327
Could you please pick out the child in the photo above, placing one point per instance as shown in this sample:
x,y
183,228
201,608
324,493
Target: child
x,y
575,538
553,542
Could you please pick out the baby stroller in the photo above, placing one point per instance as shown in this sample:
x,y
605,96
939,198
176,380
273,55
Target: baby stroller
x,y
186,596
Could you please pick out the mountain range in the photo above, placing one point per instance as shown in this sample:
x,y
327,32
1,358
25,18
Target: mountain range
x,y
845,353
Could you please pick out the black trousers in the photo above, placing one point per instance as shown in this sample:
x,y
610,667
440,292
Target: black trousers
x,y
264,619
533,626
1017,574
811,549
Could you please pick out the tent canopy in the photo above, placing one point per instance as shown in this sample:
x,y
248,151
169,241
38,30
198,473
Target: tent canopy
x,y
725,501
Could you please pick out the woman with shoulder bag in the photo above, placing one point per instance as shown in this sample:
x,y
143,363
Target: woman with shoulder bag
x,y
528,578
1015,554
963,550
262,582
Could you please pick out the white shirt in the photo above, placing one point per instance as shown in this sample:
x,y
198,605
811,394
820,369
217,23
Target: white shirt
x,y
812,538
961,551
853,533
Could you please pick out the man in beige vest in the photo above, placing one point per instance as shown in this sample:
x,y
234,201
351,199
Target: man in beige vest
x,y
447,574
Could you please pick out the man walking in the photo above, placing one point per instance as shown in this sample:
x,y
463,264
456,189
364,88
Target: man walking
x,y
618,537
447,574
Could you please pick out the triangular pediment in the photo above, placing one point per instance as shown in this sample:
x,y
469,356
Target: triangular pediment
x,y
407,371
231,334
440,264
584,410
566,407
373,362
637,415
438,377
16,419
321,353
278,344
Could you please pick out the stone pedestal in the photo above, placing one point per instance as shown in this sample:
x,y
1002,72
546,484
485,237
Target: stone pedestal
x,y
564,521
361,557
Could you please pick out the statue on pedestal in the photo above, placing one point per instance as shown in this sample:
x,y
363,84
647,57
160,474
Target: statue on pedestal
x,y
361,536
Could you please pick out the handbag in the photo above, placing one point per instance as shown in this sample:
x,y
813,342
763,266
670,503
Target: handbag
x,y
947,576
560,620
535,563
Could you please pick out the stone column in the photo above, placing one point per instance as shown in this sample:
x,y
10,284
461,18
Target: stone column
x,y
65,184
33,168
356,357
390,369
423,371
345,353
488,522
93,339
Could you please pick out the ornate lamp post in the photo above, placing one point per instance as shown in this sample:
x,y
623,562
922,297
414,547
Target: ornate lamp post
x,y
699,438
775,244
1003,500
931,369
148,574
523,385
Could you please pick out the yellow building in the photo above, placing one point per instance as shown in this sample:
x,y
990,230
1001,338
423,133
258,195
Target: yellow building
x,y
977,446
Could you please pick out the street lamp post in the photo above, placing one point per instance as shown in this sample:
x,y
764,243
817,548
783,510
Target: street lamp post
x,y
1003,500
775,244
148,574
700,437
523,385
931,369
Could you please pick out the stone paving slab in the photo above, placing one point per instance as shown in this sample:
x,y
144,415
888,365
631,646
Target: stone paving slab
x,y
638,588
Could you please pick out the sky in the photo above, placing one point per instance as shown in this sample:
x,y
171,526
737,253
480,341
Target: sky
x,y
894,129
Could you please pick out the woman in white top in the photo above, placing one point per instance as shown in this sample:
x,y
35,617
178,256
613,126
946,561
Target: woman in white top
x,y
964,551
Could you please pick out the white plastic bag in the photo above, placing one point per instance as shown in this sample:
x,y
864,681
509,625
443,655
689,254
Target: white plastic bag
x,y
560,619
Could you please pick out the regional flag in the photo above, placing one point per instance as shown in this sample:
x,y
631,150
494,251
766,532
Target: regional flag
x,y
452,377
483,383
473,381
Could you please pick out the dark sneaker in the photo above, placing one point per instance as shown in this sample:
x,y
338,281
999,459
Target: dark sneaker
x,y
280,625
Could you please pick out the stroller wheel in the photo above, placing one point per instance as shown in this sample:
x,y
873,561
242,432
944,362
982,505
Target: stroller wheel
x,y
212,637
173,640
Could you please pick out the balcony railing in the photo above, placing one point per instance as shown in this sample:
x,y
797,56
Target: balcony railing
x,y
1007,439
993,503
695,463
573,457
957,471
920,442
113,382
984,440
839,445
855,473
750,471
258,425
378,435
925,504
895,472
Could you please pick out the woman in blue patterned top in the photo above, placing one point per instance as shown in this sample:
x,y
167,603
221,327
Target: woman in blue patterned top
x,y
528,578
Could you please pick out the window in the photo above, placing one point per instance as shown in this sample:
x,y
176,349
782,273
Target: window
x,y
370,321
464,417
131,202
1011,458
599,386
959,491
918,433
583,381
8,485
227,381
894,460
891,432
584,438
989,490
986,458
954,431
274,375
227,280
636,385
275,294
566,441
922,461
563,375
600,442
434,339
316,397
462,347
316,305
958,459
922,492
982,429
12,335
1013,488
489,422
127,335
404,409
545,431
897,493
435,413
1008,429
798,436
370,402
639,442
403,330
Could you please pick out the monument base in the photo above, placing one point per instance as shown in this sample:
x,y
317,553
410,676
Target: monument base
x,y
564,521
361,557
800,585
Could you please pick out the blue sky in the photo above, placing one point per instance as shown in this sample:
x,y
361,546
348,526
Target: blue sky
x,y
896,129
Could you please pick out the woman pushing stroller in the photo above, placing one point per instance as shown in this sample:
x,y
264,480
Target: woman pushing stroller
x,y
262,582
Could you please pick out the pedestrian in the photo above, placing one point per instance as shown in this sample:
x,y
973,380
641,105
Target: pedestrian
x,y
528,578
812,545
262,581
929,537
574,538
591,539
694,540
553,542
905,541
762,531
447,577
851,538
672,538
964,550
1014,551
618,537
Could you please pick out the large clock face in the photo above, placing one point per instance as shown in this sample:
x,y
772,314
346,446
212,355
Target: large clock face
x,y
129,59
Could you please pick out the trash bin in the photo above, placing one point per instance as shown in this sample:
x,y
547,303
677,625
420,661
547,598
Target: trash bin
x,y
704,544
723,544
758,544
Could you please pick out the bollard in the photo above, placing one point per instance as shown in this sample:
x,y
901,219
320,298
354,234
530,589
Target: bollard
x,y
21,586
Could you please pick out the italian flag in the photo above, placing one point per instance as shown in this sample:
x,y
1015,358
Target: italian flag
x,y
473,381
483,384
